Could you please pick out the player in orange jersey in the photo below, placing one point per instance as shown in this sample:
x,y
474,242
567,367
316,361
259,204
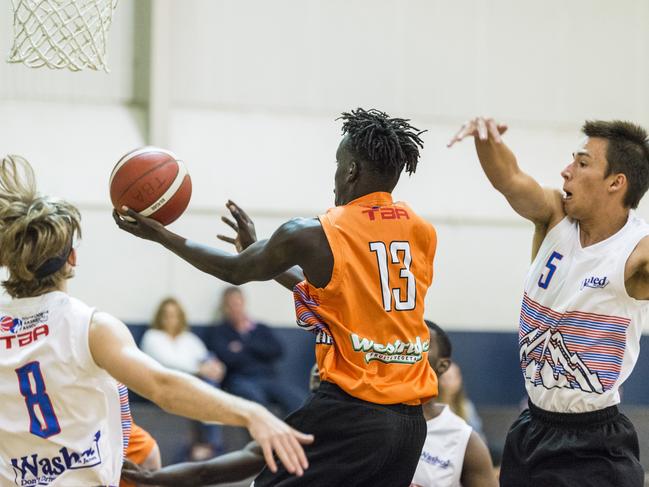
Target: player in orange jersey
x,y
453,454
142,450
367,264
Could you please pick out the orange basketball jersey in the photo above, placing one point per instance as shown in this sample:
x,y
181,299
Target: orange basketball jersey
x,y
371,337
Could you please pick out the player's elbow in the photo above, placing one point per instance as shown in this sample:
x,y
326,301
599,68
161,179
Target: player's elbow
x,y
232,270
237,278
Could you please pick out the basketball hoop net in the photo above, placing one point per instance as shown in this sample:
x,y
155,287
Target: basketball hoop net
x,y
61,34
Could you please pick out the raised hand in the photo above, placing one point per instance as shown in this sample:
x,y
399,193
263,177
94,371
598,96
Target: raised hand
x,y
132,222
482,128
242,224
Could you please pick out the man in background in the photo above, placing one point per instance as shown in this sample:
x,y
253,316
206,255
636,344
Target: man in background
x,y
250,350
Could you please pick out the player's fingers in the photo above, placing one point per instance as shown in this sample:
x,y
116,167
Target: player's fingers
x,y
238,214
467,129
129,467
241,211
230,223
297,455
302,437
121,220
132,214
288,460
134,475
493,130
268,456
229,240
482,129
292,448
456,136
299,451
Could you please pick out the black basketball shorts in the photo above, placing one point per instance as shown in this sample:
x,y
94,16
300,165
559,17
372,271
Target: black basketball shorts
x,y
357,443
595,449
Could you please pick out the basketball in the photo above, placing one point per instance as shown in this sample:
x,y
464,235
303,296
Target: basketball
x,y
153,182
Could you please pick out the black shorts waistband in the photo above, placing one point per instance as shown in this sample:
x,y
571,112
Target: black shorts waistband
x,y
599,416
331,389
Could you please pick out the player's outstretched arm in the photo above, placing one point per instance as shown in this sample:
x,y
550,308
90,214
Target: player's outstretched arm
x,y
246,235
112,347
231,467
477,469
296,242
524,193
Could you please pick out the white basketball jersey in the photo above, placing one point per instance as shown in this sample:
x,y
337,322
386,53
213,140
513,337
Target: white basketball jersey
x,y
441,460
579,333
60,421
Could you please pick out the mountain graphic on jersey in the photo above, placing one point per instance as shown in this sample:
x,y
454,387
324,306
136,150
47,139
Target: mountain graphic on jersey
x,y
573,349
558,367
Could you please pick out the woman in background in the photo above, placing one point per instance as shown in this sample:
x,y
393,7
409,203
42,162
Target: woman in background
x,y
171,343
174,346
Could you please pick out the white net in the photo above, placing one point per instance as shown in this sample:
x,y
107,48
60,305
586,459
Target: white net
x,y
61,34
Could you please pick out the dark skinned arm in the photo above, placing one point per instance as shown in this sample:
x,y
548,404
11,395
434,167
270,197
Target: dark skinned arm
x,y
299,242
477,470
231,467
247,235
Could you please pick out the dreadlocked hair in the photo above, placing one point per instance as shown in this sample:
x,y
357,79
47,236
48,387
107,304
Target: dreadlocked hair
x,y
33,229
392,144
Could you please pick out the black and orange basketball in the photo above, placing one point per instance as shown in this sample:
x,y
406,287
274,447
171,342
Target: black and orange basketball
x,y
153,182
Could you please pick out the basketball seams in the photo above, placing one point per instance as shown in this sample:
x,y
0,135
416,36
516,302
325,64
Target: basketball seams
x,y
155,168
169,192
143,150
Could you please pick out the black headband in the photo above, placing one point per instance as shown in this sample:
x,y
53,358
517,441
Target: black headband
x,y
54,264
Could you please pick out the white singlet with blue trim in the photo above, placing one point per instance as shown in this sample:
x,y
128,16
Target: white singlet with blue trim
x,y
579,333
442,457
60,421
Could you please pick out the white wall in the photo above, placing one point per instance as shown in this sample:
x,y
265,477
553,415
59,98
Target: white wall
x,y
254,89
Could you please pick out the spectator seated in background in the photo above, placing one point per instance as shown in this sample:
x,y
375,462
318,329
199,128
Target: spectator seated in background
x,y
174,346
250,350
451,392
170,342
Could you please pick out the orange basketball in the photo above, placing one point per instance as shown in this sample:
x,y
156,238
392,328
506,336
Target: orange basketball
x,y
153,182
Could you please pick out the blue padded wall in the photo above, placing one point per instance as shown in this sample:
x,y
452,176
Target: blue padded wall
x,y
489,362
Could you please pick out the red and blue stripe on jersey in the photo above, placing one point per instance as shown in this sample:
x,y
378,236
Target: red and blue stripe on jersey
x,y
599,340
127,420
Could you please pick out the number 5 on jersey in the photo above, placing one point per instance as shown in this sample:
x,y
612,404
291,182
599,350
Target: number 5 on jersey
x,y
397,248
544,281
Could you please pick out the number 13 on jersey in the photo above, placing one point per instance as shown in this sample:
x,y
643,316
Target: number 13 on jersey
x,y
399,254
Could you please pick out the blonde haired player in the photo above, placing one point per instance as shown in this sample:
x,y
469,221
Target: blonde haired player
x,y
60,359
